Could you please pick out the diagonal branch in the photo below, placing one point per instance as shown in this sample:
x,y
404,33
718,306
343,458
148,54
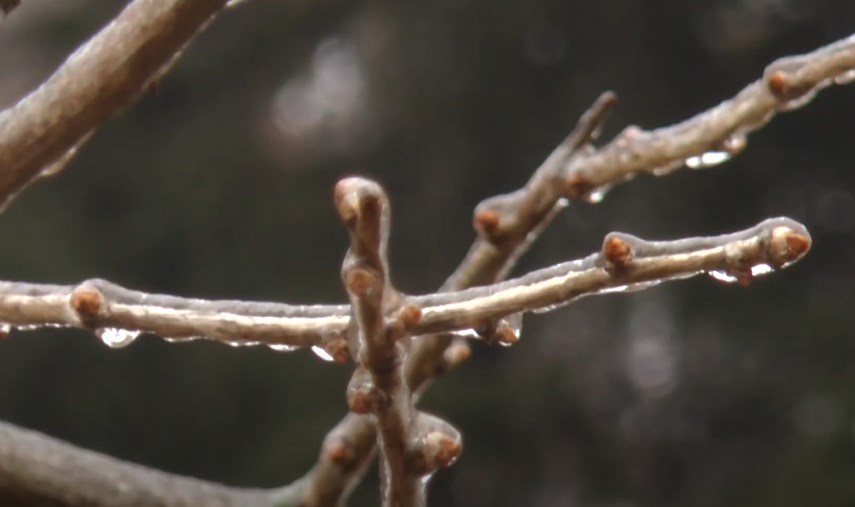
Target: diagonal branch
x,y
713,136
101,78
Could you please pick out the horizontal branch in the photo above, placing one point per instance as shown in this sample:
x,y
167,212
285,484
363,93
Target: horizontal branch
x,y
97,304
101,78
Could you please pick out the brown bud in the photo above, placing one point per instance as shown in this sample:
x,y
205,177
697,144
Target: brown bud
x,y
617,252
88,303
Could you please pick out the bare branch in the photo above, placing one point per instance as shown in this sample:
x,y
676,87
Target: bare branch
x,y
413,444
100,305
102,77
37,470
715,135
589,174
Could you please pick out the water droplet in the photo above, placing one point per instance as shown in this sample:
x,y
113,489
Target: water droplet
x,y
282,347
241,343
708,159
509,329
723,276
322,353
597,195
845,78
667,168
803,99
5,330
181,339
117,338
761,269
735,144
466,333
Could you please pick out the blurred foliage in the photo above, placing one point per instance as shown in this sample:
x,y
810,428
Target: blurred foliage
x,y
218,183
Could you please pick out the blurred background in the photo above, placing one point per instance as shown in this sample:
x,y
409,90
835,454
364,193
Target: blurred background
x,y
218,183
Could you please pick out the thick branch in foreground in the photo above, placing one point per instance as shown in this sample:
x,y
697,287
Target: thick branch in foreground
x,y
102,77
38,470
413,444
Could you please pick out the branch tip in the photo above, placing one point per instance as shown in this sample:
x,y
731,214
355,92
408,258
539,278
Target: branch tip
x,y
787,245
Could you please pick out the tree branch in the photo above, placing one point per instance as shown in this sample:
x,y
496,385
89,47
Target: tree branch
x,y
102,77
715,135
585,172
37,470
413,445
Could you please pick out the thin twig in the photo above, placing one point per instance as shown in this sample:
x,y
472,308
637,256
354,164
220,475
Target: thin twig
x,y
101,78
715,135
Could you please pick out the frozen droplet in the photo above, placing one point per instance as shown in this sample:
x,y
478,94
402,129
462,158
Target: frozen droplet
x,y
466,333
597,195
708,159
117,338
632,287
667,168
803,99
322,353
761,269
180,339
735,144
282,347
241,343
723,276
845,78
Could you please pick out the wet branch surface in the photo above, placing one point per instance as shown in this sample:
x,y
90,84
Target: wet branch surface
x,y
101,78
93,85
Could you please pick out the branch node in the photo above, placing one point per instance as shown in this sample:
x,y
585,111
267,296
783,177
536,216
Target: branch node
x,y
617,253
88,303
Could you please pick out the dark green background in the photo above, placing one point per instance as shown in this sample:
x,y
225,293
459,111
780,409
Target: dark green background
x,y
691,394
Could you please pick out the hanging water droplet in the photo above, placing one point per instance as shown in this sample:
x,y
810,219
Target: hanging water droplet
x,y
845,78
597,195
667,168
761,269
708,159
735,144
723,276
562,203
117,338
282,347
466,333
322,353
803,99
509,329
5,330
241,343
181,339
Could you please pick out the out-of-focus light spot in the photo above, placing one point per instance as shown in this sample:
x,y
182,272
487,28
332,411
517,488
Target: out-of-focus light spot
x,y
651,355
327,102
